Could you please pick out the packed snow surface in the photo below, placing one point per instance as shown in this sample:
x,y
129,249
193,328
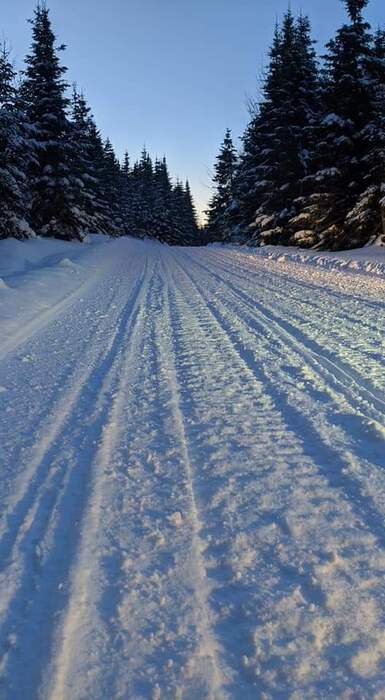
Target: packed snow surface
x,y
192,475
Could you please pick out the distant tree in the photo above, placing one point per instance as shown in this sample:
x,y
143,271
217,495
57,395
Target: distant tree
x,y
144,214
135,201
178,234
158,209
218,213
102,208
111,184
15,156
162,214
125,194
190,219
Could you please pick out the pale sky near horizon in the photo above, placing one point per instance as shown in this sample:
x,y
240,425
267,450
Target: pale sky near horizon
x,y
170,74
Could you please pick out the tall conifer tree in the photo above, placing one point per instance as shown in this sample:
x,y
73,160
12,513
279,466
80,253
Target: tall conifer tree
x,y
15,157
274,161
126,195
340,150
111,183
162,214
53,211
365,221
190,217
218,214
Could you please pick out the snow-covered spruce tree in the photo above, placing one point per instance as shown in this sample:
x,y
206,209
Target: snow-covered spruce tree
x,y
287,116
126,195
254,156
218,213
110,176
339,156
268,183
365,222
144,196
190,220
102,211
135,201
15,156
178,234
377,152
157,208
53,187
85,167
162,214
245,199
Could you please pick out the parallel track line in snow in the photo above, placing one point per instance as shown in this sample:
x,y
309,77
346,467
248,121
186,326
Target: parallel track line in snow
x,y
17,519
242,262
348,334
360,502
351,513
39,544
232,627
208,642
239,271
72,373
80,602
369,402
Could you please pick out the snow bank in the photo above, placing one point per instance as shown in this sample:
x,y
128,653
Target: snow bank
x,y
38,277
369,260
21,256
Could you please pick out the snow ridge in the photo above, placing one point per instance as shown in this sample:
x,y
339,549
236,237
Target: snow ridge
x,y
370,260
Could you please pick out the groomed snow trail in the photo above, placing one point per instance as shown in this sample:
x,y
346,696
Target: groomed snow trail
x,y
193,483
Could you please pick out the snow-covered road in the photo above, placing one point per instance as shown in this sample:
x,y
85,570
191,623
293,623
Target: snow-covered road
x,y
193,482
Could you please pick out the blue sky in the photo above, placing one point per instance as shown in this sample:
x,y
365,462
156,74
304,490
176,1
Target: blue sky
x,y
171,74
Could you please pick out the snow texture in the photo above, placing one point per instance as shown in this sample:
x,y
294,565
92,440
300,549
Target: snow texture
x,y
192,474
370,260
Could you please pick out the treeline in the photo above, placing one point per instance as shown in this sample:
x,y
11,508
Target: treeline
x,y
311,171
59,177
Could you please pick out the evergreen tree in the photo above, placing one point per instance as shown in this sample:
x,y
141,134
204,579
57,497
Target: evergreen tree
x,y
268,184
341,149
82,165
190,220
184,219
57,174
126,165
162,215
246,197
111,187
89,168
178,234
126,195
218,213
144,214
366,220
253,158
53,211
135,201
101,205
15,156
